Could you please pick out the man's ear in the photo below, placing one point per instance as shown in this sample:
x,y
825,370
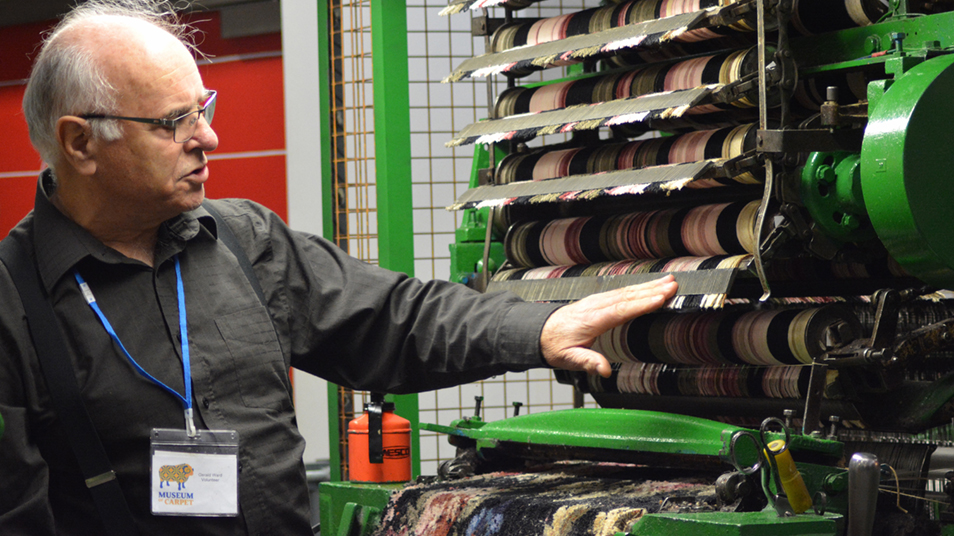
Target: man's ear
x,y
76,143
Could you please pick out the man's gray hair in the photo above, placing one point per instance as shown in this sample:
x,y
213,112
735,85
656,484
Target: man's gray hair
x,y
67,80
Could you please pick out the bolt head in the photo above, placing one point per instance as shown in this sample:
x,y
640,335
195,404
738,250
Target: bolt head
x,y
825,174
850,221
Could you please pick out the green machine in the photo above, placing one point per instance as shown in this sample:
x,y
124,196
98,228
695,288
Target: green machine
x,y
823,335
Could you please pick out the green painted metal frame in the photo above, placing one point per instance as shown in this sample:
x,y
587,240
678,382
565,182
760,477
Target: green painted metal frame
x,y
621,429
905,153
327,204
617,429
392,173
394,202
351,508
467,250
392,143
392,158
324,122
644,432
852,48
764,523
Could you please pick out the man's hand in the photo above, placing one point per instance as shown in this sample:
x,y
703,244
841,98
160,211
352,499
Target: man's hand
x,y
571,330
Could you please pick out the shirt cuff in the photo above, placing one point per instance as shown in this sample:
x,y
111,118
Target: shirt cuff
x,y
519,335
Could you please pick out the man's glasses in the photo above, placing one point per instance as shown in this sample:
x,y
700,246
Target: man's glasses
x,y
183,127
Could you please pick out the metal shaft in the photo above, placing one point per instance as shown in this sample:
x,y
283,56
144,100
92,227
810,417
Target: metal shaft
x,y
863,477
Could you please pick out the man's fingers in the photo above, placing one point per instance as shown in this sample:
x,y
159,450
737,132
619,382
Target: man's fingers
x,y
665,286
582,359
613,308
629,309
570,330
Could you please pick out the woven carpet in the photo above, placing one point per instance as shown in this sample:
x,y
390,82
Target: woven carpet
x,y
568,501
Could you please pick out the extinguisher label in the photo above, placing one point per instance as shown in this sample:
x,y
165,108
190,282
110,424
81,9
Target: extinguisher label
x,y
397,452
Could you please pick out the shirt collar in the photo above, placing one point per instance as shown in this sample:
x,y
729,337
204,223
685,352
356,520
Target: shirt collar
x,y
60,243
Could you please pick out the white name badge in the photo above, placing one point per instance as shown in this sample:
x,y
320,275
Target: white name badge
x,y
194,476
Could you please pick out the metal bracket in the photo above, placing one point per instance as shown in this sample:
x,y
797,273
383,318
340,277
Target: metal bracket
x,y
731,14
888,304
485,176
463,466
376,428
832,114
811,418
794,224
483,25
881,356
748,84
740,164
809,140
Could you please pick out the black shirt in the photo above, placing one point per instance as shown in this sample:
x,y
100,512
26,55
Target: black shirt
x,y
327,314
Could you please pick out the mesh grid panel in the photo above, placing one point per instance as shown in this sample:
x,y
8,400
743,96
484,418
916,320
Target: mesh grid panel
x,y
436,45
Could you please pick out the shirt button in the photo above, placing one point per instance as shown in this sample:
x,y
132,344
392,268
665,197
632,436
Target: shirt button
x,y
206,403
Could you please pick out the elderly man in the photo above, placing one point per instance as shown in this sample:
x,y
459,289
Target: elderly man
x,y
147,296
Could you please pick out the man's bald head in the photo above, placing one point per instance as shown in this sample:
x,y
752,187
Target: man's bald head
x,y
84,59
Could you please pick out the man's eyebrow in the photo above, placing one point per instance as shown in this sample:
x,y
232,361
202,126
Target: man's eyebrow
x,y
179,112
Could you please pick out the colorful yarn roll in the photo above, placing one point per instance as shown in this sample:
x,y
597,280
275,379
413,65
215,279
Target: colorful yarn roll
x,y
705,144
768,338
803,269
671,50
707,381
676,264
714,69
706,230
811,17
537,31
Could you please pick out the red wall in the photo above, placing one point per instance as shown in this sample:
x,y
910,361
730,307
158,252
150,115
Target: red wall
x,y
249,118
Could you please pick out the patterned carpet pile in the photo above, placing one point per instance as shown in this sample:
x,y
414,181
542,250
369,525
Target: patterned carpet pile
x,y
569,501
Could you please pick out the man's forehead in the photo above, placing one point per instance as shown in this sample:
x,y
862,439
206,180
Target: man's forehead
x,y
140,60
125,45
116,31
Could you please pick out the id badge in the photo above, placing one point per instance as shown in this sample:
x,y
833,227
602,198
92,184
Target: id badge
x,y
194,476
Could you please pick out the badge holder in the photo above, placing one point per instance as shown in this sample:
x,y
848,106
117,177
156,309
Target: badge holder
x,y
194,475
194,472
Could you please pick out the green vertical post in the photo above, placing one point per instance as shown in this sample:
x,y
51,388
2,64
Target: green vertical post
x,y
334,438
392,158
324,122
392,125
327,203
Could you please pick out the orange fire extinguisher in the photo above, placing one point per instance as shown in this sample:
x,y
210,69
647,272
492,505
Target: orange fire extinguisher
x,y
379,444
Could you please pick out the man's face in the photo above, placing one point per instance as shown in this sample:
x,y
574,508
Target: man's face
x,y
146,170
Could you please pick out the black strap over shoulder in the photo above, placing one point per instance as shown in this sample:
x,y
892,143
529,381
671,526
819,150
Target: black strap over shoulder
x,y
51,350
228,238
53,354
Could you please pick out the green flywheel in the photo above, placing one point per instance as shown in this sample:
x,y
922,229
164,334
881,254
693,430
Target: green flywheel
x,y
907,178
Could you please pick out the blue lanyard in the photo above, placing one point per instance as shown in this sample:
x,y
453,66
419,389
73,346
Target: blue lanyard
x,y
183,334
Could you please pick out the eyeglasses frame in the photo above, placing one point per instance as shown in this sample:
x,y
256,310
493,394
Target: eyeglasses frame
x,y
165,123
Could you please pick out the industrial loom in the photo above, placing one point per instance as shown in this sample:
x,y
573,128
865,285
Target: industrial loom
x,y
787,161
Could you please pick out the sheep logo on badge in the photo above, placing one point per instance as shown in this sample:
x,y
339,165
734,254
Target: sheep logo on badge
x,y
174,473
